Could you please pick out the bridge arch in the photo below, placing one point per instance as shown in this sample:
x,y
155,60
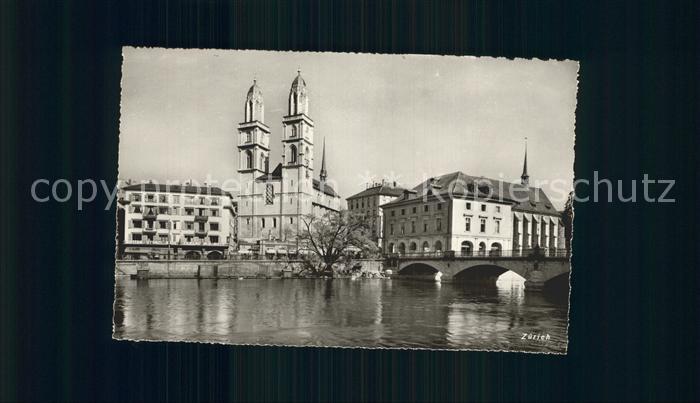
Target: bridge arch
x,y
481,274
418,268
193,255
215,255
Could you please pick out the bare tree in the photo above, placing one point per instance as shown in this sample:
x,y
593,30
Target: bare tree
x,y
568,220
332,237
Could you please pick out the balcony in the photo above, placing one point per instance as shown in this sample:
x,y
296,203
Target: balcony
x,y
150,215
149,230
201,218
200,232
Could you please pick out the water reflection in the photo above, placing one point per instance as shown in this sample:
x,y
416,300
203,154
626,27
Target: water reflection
x,y
340,312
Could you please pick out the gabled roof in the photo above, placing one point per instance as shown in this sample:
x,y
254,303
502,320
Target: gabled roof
x,y
165,188
382,190
457,184
276,174
325,188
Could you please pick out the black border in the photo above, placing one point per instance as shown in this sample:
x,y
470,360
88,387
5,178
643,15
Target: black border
x,y
633,333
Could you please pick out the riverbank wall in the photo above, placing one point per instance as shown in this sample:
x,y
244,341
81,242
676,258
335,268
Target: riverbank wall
x,y
227,268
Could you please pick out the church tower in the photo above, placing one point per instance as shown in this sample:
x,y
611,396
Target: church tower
x,y
298,140
253,151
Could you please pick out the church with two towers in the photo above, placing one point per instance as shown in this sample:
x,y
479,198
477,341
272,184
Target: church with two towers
x,y
272,202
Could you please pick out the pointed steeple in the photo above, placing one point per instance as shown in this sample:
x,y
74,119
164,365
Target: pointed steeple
x,y
525,178
323,174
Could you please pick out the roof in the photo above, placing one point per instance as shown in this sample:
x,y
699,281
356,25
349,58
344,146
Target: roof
x,y
165,188
381,190
524,199
276,174
325,188
298,82
254,92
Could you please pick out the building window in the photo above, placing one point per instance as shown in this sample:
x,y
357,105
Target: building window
x,y
292,154
483,207
438,224
391,229
248,160
393,213
413,226
189,225
269,194
175,225
403,211
247,222
262,222
162,224
425,208
403,229
498,226
294,131
274,222
468,224
214,226
439,206
483,225
214,239
162,199
291,220
498,209
469,206
176,199
413,210
137,223
135,237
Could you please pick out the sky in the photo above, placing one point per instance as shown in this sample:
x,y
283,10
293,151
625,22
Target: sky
x,y
401,118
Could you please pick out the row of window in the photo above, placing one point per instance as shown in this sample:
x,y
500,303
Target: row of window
x,y
438,226
360,203
174,199
187,211
414,209
174,239
402,227
438,207
175,225
482,225
264,222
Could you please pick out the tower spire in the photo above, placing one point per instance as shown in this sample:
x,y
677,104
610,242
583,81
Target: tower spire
x,y
525,178
323,174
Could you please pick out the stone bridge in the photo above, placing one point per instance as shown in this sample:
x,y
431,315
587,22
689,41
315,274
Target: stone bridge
x,y
538,269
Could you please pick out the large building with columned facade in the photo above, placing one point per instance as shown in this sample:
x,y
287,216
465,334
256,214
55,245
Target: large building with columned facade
x,y
272,202
472,215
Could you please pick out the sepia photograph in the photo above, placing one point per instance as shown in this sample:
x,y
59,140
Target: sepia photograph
x,y
345,200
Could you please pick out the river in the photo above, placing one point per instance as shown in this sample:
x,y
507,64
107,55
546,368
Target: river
x,y
341,312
